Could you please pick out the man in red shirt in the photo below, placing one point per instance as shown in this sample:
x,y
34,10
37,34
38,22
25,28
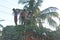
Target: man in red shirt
x,y
23,16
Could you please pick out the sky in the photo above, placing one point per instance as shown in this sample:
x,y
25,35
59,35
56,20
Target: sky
x,y
6,7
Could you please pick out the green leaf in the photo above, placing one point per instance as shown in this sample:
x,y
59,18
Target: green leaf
x,y
23,1
52,22
1,25
50,11
55,14
43,16
46,15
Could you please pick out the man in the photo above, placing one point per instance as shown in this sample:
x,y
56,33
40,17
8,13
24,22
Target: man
x,y
23,16
15,16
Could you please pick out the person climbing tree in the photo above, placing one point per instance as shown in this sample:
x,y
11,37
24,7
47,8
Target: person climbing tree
x,y
15,16
30,14
23,16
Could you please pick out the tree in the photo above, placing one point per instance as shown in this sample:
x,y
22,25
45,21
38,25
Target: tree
x,y
31,23
37,15
48,13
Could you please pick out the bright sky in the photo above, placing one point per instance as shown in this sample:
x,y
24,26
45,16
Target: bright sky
x,y
7,5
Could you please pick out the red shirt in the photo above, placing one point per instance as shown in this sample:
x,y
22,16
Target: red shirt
x,y
23,14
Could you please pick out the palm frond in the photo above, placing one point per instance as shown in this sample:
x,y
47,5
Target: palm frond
x,y
39,2
26,7
52,22
46,15
36,12
49,9
43,16
55,14
1,25
23,1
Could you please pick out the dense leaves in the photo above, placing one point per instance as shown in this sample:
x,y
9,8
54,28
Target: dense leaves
x,y
18,32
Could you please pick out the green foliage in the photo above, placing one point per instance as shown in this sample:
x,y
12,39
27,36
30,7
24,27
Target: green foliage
x,y
1,25
23,1
31,5
46,15
13,32
52,22
9,33
20,29
30,25
17,32
50,11
55,14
